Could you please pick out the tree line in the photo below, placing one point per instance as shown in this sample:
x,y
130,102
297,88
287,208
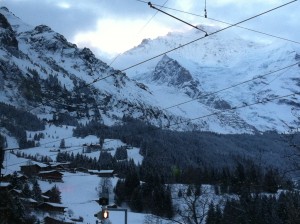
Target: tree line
x,y
258,209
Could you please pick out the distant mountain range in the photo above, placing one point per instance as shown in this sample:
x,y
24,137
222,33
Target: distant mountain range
x,y
218,74
41,72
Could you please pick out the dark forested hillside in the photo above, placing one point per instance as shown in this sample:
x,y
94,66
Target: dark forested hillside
x,y
171,150
17,121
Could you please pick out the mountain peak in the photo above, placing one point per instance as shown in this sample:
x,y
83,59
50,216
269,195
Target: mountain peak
x,y
43,29
4,9
170,71
7,38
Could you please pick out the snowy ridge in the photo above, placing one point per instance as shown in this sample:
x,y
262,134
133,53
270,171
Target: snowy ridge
x,y
46,58
64,75
217,62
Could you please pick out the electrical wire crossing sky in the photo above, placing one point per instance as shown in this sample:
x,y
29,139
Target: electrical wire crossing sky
x,y
112,27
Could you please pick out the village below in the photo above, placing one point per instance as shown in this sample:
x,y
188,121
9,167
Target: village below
x,y
206,133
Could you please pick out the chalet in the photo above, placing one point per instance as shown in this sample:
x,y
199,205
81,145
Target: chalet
x,y
31,170
60,166
52,207
5,186
47,193
82,169
51,175
29,202
92,148
94,172
7,178
106,173
51,220
45,198
15,192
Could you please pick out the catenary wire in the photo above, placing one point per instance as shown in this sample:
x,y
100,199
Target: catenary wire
x,y
96,80
202,96
181,46
227,23
263,101
174,17
200,38
140,31
235,85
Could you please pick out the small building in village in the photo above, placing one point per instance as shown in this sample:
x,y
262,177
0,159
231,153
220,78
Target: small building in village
x,y
82,169
51,175
31,170
30,203
52,207
106,173
52,220
5,186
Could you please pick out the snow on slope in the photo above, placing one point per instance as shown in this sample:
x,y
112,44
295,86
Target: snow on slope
x,y
212,63
49,145
217,62
42,51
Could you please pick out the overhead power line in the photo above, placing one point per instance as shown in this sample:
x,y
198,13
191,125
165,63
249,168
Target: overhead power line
x,y
235,85
182,103
146,24
151,6
263,101
176,48
200,38
197,40
190,42
227,23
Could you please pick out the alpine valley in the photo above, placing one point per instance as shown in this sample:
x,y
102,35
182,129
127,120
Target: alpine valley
x,y
215,113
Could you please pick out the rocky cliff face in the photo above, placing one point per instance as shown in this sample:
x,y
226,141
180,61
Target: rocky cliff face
x,y
41,72
208,79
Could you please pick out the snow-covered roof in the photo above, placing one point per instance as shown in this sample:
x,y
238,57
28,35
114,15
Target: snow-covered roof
x,y
55,205
29,200
4,184
106,171
51,171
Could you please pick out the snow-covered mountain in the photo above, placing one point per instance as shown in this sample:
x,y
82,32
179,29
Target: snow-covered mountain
x,y
194,78
41,72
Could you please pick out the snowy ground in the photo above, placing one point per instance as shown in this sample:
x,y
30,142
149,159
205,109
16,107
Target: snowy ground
x,y
49,145
78,190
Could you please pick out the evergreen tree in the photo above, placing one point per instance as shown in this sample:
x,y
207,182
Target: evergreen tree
x,y
179,193
121,153
168,204
26,192
211,214
36,191
62,144
120,192
136,201
271,181
55,195
131,182
15,181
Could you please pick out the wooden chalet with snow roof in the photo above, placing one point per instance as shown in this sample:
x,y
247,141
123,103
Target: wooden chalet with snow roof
x,y
31,170
106,173
52,207
5,186
51,175
52,220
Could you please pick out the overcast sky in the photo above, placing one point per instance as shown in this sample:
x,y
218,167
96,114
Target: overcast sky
x,y
114,26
